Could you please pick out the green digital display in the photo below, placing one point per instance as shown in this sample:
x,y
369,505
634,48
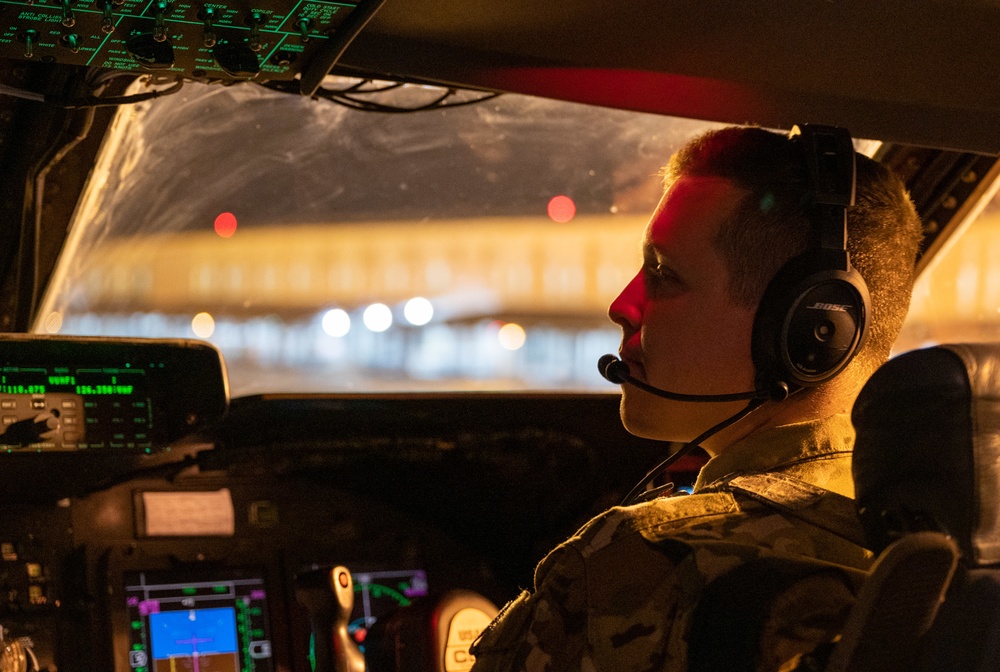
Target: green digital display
x,y
64,408
138,396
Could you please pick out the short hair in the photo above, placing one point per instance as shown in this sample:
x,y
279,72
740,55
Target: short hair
x,y
771,224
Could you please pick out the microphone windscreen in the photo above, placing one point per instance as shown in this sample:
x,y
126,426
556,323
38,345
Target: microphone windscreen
x,y
613,369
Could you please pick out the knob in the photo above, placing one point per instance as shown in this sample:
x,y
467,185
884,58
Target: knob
x,y
431,634
30,430
17,655
150,53
237,59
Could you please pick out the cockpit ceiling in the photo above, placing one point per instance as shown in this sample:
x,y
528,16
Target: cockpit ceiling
x,y
920,72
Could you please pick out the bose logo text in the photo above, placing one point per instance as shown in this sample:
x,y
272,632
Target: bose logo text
x,y
829,306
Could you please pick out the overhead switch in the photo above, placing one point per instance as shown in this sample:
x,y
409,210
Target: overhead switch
x,y
108,18
160,29
29,37
304,24
255,20
208,37
71,41
68,19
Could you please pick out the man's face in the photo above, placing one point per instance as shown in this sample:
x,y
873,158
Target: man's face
x,y
681,331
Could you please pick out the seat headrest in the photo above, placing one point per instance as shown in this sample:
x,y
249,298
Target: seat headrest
x,y
927,454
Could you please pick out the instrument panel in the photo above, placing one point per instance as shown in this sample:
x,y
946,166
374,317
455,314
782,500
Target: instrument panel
x,y
203,552
133,396
229,40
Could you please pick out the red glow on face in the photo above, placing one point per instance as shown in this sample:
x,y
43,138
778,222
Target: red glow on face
x,y
225,225
561,209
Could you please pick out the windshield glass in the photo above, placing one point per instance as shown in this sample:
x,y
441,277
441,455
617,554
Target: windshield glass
x,y
957,297
325,248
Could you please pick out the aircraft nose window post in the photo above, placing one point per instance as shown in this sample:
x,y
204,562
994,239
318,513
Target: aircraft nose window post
x,y
813,317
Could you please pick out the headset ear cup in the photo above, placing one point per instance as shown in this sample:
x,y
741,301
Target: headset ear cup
x,y
810,323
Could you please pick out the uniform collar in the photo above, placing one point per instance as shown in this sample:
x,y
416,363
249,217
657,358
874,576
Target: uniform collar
x,y
784,448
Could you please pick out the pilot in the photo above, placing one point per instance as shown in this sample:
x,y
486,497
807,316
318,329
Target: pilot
x,y
625,593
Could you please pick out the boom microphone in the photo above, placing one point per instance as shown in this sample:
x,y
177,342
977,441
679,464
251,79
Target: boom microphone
x,y
617,371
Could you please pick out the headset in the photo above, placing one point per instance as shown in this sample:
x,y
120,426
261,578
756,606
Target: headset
x,y
813,318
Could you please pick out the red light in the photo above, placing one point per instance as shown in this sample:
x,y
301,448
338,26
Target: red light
x,y
561,209
225,224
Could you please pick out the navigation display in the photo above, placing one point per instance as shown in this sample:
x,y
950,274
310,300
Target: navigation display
x,y
218,625
378,593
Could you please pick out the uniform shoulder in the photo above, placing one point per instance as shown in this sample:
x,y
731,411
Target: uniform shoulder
x,y
645,519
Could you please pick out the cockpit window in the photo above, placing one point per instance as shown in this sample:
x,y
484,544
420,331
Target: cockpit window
x,y
957,297
324,248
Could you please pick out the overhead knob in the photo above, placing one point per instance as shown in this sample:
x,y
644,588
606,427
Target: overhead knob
x,y
150,53
237,59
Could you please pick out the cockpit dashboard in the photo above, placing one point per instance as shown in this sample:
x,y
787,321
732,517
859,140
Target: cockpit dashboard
x,y
155,524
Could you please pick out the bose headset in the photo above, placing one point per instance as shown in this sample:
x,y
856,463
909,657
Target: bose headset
x,y
813,317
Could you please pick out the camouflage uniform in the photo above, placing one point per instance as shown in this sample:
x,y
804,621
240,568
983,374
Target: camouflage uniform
x,y
623,593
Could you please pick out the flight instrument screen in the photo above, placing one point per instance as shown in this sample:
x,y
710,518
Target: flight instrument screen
x,y
215,625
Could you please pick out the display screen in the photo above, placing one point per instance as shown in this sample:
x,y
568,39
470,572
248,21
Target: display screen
x,y
63,408
214,625
378,593
122,395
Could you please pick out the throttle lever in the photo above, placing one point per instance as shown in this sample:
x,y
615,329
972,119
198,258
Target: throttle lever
x,y
328,596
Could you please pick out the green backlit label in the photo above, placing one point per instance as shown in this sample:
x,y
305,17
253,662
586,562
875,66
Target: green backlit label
x,y
103,389
62,380
22,389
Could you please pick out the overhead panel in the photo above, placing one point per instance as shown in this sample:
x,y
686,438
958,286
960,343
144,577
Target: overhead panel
x,y
228,40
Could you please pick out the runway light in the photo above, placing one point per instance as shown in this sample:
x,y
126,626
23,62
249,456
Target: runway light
x,y
377,317
203,325
336,322
225,225
512,336
561,209
418,311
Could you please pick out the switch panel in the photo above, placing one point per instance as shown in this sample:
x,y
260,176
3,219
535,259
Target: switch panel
x,y
227,41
